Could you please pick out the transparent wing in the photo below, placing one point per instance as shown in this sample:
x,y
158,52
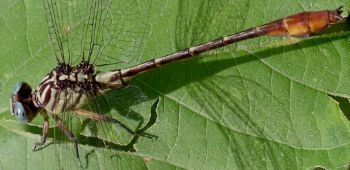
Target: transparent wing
x,y
55,28
124,31
86,35
75,28
99,32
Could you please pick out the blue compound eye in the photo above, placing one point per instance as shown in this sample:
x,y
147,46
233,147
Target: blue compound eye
x,y
21,104
16,88
20,113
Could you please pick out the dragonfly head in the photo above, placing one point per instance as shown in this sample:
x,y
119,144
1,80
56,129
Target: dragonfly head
x,y
21,103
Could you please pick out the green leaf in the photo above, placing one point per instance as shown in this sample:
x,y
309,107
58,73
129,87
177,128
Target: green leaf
x,y
264,103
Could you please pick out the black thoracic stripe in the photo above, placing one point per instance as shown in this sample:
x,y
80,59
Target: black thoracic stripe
x,y
47,97
42,88
44,82
77,99
56,99
51,74
45,90
37,101
64,101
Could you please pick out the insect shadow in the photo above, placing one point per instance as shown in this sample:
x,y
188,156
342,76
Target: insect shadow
x,y
129,113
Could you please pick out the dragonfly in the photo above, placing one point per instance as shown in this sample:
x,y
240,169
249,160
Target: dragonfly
x,y
68,86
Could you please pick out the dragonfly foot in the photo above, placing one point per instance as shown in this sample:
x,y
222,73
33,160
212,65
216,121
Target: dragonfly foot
x,y
37,146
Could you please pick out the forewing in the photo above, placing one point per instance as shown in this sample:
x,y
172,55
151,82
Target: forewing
x,y
99,32
56,14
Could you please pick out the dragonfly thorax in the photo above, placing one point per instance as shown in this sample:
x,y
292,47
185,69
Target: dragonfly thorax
x,y
65,88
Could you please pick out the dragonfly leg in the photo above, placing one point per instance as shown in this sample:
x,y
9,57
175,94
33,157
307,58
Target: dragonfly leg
x,y
69,135
104,118
38,145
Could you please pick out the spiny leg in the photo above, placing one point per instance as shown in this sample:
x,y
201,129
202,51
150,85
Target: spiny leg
x,y
104,118
69,135
38,145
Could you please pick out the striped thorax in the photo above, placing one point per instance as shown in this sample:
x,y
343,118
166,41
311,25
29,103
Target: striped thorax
x,y
65,88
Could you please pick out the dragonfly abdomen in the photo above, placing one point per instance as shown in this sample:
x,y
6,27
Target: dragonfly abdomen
x,y
302,24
